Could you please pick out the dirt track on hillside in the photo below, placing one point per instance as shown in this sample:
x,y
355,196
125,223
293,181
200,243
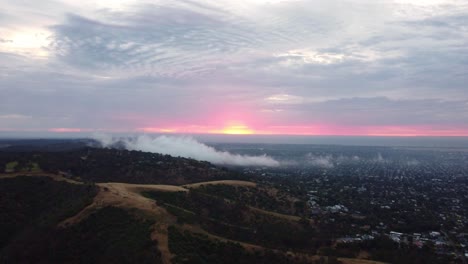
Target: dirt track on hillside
x,y
226,182
128,196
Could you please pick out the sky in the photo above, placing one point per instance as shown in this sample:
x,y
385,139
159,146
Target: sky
x,y
354,67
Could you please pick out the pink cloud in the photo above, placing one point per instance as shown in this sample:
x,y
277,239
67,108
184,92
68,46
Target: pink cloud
x,y
67,130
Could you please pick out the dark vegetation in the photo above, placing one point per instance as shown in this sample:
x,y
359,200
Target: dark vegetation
x,y
234,220
263,197
386,250
111,235
32,207
114,165
44,145
28,203
195,248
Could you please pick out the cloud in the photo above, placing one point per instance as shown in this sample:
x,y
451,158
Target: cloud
x,y
346,159
379,159
330,161
66,130
320,161
15,116
300,57
186,147
113,64
378,111
413,162
177,41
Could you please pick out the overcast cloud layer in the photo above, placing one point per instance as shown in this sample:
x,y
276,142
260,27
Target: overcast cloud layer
x,y
377,67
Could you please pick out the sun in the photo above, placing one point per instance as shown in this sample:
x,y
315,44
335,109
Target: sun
x,y
27,41
237,130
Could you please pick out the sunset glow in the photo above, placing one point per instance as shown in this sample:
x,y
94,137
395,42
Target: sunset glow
x,y
237,130
311,130
67,130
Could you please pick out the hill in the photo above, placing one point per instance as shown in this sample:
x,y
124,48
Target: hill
x,y
55,220
92,205
115,165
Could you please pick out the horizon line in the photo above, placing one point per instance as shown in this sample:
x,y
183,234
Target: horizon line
x,y
88,134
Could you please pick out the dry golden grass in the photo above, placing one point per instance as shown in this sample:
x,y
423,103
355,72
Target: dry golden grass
x,y
39,174
278,215
198,230
124,195
358,261
226,182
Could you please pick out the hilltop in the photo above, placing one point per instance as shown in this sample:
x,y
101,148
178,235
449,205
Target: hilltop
x,y
116,165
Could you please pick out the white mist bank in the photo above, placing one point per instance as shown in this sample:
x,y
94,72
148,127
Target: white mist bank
x,y
186,147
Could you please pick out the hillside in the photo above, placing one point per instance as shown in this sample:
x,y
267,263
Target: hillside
x,y
94,205
114,165
62,221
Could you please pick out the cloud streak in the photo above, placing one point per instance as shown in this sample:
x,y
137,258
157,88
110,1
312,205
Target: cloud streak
x,y
186,147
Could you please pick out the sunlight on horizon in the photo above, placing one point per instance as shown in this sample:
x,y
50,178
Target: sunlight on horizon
x,y
237,130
